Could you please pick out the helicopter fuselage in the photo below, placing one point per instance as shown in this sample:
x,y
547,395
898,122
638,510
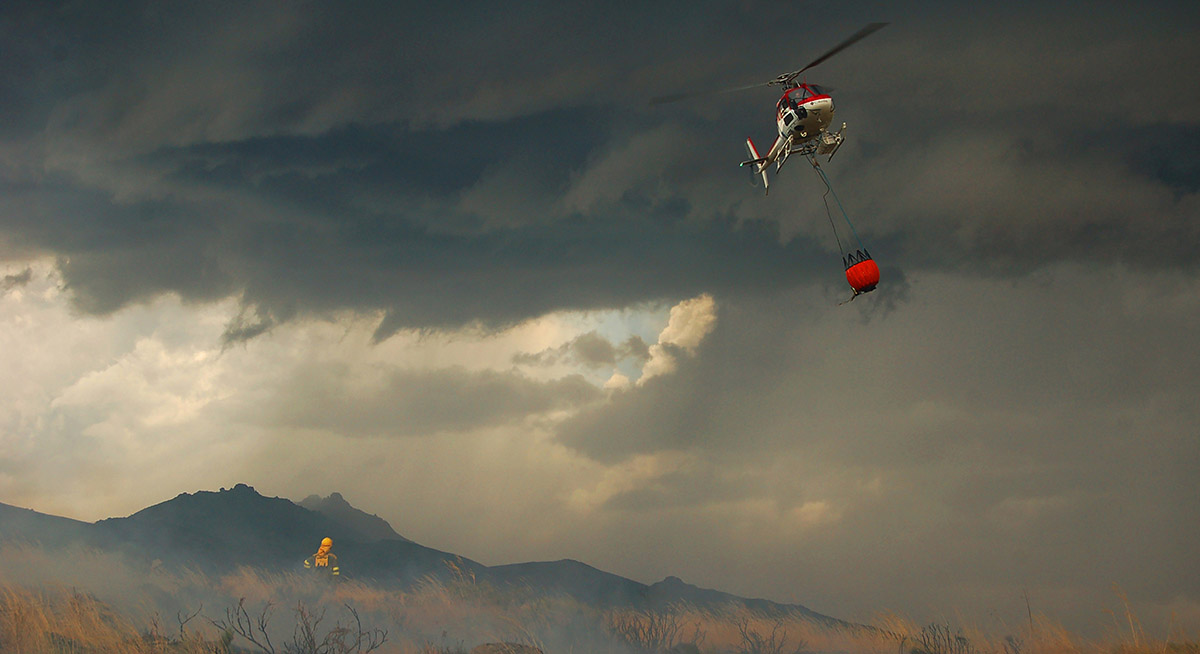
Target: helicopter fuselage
x,y
803,115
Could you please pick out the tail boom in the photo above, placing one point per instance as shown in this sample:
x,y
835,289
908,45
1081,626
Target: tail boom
x,y
759,162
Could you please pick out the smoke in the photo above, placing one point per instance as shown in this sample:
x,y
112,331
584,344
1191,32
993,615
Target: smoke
x,y
83,596
452,614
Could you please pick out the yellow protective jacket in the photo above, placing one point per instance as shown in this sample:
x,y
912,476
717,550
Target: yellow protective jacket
x,y
324,565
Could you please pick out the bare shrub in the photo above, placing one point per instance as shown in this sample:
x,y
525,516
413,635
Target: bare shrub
x,y
341,639
254,630
939,639
308,636
653,631
760,642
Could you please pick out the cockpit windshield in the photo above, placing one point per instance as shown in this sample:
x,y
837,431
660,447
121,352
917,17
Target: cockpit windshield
x,y
793,98
802,93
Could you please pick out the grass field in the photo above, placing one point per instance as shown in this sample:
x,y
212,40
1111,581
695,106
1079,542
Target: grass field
x,y
95,602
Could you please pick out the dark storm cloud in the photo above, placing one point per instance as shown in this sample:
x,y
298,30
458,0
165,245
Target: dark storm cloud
x,y
289,157
447,165
112,253
1049,136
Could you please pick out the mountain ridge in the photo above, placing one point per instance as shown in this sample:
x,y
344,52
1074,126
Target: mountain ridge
x,y
335,507
218,531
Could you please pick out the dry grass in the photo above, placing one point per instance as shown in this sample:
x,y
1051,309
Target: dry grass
x,y
33,622
137,609
1042,635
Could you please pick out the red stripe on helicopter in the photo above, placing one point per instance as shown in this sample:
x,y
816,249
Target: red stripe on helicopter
x,y
800,103
823,96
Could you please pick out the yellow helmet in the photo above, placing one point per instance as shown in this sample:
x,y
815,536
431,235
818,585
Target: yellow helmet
x,y
326,542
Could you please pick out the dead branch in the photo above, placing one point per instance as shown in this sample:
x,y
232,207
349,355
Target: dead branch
x,y
238,621
180,617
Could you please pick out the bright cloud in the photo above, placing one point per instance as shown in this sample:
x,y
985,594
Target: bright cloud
x,y
133,390
690,321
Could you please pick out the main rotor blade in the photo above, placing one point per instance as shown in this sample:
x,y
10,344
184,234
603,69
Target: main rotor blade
x,y
784,79
858,36
676,97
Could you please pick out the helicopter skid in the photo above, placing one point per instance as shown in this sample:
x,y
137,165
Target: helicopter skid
x,y
804,150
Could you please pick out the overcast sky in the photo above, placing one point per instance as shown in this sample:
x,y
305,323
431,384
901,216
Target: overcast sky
x,y
448,261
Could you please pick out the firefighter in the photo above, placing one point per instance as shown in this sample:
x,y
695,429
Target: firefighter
x,y
324,561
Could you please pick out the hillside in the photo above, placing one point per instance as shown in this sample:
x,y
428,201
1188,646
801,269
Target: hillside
x,y
27,525
220,531
366,526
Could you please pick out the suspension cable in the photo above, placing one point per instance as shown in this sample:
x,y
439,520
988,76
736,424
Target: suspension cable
x,y
836,236
829,189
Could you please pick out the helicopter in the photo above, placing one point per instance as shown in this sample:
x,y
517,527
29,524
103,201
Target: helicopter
x,y
803,114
